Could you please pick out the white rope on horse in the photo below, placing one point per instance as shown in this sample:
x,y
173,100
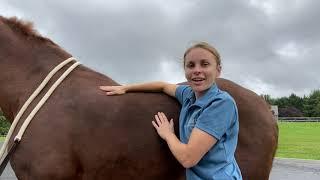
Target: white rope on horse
x,y
42,101
39,105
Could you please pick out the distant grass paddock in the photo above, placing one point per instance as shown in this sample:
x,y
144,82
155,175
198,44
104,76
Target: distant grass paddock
x,y
299,140
296,140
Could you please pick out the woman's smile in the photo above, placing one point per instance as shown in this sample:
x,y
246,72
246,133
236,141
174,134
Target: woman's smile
x,y
198,81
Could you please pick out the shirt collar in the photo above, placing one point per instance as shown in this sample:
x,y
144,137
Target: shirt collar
x,y
204,99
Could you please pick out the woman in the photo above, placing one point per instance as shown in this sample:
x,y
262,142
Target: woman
x,y
208,122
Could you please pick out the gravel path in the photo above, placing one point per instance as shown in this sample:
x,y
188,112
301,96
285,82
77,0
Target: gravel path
x,y
295,169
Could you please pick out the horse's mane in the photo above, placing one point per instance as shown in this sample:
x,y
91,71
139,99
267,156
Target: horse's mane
x,y
24,28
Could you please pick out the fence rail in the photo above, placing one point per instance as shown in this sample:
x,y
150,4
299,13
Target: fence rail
x,y
299,119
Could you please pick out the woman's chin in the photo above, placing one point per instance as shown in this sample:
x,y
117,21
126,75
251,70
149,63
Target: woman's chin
x,y
198,88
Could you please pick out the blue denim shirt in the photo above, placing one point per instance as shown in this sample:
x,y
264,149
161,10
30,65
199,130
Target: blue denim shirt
x,y
216,114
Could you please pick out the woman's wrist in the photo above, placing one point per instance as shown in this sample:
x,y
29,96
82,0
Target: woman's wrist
x,y
170,136
126,88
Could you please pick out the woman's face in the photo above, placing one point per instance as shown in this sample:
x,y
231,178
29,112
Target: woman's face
x,y
201,70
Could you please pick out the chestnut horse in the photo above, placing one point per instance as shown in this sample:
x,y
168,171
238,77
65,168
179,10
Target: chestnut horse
x,y
82,134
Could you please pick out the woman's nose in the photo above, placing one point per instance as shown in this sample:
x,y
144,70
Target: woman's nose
x,y
197,69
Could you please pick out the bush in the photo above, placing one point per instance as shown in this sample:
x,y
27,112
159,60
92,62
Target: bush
x,y
4,125
290,112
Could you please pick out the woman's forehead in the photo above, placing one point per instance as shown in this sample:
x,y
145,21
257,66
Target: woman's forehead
x,y
198,54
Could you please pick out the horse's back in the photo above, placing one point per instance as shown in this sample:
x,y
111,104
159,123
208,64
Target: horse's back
x,y
98,136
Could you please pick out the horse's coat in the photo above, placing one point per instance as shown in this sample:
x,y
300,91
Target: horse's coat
x,y
82,134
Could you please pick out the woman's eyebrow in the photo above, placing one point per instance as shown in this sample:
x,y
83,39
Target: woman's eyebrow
x,y
188,61
204,60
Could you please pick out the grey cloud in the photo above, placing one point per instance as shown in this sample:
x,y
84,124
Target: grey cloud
x,y
129,41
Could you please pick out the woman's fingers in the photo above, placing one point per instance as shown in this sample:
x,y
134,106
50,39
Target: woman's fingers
x,y
160,117
155,125
105,88
112,90
171,122
163,117
110,93
158,120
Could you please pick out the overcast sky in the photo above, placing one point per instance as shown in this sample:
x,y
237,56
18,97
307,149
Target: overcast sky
x,y
269,46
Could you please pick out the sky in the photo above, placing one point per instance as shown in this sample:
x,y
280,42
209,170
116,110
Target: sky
x,y
268,46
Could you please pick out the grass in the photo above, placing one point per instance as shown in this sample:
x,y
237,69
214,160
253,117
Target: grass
x,y
299,140
2,138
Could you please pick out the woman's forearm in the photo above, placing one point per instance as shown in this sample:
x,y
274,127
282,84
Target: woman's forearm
x,y
179,151
156,86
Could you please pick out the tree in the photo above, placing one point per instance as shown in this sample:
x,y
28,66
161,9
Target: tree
x,y
267,98
311,106
282,102
308,105
296,101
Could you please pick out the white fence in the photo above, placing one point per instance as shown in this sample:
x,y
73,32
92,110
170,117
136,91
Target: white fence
x,y
299,119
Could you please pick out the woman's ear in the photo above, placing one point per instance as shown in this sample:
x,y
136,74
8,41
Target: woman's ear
x,y
218,70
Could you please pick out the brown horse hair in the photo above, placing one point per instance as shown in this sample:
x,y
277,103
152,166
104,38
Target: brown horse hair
x,y
25,29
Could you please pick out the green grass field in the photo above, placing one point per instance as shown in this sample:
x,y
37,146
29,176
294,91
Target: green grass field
x,y
299,140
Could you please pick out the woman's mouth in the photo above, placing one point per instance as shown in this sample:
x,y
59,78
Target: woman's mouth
x,y
197,80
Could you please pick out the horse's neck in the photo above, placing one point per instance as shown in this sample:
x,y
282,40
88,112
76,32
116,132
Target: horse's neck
x,y
24,62
22,68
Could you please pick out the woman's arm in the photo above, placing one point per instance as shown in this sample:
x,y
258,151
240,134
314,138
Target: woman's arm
x,y
157,86
191,153
188,154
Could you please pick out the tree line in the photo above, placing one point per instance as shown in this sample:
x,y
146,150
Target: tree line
x,y
295,106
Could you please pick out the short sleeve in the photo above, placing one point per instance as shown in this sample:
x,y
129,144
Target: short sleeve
x,y
217,117
181,93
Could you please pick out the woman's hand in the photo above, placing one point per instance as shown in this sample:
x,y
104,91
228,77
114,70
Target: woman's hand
x,y
163,126
113,90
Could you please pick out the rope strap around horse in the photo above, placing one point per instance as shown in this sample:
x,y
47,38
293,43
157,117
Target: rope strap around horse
x,y
41,102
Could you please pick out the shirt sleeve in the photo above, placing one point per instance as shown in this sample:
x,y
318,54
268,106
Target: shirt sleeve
x,y
181,93
217,117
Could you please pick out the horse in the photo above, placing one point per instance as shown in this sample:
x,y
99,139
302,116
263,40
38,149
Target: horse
x,y
80,133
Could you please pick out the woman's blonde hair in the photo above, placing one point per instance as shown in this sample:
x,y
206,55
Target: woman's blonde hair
x,y
206,46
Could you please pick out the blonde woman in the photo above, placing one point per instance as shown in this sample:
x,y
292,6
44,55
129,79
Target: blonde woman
x,y
208,123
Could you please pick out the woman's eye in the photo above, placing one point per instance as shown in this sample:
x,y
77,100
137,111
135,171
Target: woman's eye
x,y
190,65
